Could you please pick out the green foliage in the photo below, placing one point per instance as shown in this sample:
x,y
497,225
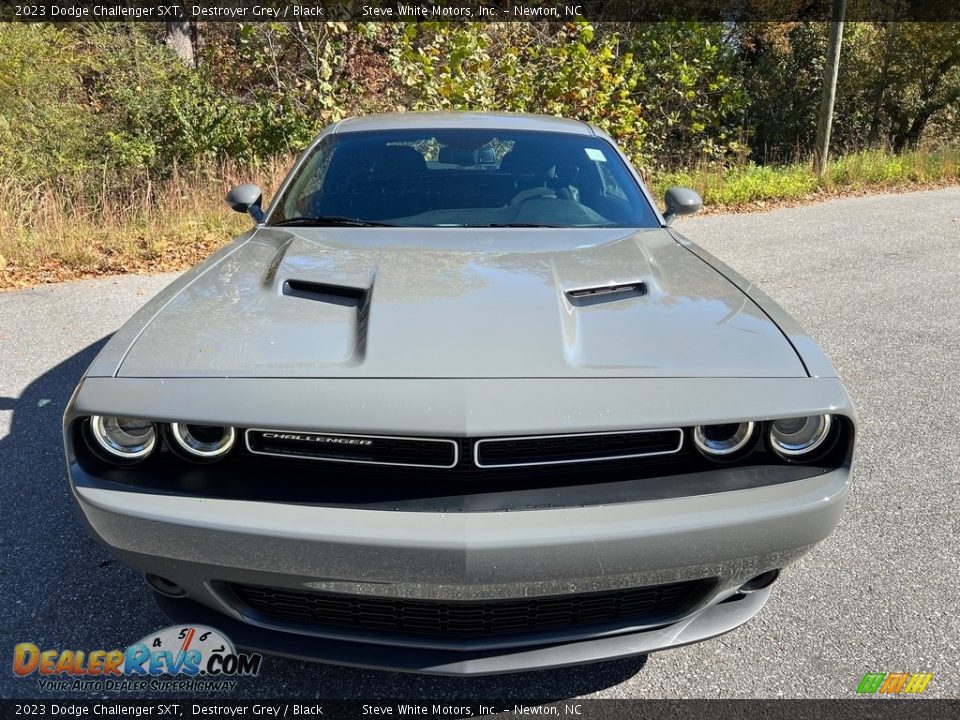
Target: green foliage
x,y
873,168
45,125
898,81
296,78
742,185
918,81
158,110
782,70
522,68
672,94
122,102
162,112
686,80
752,184
667,91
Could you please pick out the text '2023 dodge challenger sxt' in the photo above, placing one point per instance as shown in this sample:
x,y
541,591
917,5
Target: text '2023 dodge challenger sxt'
x,y
461,402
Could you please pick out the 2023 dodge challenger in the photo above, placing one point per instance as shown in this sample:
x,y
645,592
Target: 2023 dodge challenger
x,y
461,402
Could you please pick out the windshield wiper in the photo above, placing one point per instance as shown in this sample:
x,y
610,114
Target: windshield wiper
x,y
520,225
328,220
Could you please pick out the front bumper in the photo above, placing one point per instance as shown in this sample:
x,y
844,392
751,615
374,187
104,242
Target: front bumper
x,y
202,544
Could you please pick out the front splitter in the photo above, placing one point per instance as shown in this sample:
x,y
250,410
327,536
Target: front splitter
x,y
711,621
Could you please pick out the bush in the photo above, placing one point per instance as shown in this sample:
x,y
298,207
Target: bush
x,y
520,67
125,109
159,111
688,84
46,126
666,91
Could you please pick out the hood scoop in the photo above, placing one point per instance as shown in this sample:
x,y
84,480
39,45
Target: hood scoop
x,y
341,295
606,293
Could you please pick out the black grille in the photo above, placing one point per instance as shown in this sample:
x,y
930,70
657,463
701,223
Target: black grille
x,y
576,448
362,449
647,605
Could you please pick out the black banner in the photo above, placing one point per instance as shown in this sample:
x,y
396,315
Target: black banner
x,y
573,709
473,10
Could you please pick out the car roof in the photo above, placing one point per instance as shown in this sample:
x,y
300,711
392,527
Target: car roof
x,y
463,120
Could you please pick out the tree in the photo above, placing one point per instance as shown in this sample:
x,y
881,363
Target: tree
x,y
179,38
923,79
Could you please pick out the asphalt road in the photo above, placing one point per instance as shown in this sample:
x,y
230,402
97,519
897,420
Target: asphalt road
x,y
874,279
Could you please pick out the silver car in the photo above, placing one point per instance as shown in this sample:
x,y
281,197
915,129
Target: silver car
x,y
461,402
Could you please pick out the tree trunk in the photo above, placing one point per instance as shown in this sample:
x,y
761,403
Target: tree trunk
x,y
911,138
180,41
899,124
874,136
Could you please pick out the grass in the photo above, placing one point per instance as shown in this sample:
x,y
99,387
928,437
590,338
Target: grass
x,y
62,231
751,186
54,232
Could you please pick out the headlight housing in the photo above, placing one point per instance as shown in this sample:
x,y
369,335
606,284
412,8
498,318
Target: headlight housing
x,y
123,438
202,442
723,441
792,438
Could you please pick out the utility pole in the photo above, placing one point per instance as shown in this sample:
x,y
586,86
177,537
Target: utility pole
x,y
829,93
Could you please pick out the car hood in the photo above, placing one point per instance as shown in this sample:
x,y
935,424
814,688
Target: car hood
x,y
458,302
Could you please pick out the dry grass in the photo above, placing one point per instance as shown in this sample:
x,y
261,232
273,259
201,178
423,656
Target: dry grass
x,y
51,233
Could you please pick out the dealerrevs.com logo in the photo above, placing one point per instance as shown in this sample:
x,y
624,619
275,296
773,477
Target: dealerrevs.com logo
x,y
895,683
193,659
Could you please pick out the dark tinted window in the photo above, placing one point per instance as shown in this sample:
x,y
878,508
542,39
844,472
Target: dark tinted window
x,y
467,178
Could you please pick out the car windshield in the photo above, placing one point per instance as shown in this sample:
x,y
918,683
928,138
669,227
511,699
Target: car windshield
x,y
464,178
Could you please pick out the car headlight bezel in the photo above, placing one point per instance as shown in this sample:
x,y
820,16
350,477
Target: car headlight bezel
x,y
738,442
107,431
185,443
794,451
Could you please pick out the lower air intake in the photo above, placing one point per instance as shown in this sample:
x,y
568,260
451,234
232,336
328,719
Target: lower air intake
x,y
646,605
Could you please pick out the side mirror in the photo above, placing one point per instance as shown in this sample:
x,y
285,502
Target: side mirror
x,y
681,201
247,199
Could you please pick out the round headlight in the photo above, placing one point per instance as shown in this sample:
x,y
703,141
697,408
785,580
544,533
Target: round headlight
x,y
123,437
792,437
203,442
722,441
